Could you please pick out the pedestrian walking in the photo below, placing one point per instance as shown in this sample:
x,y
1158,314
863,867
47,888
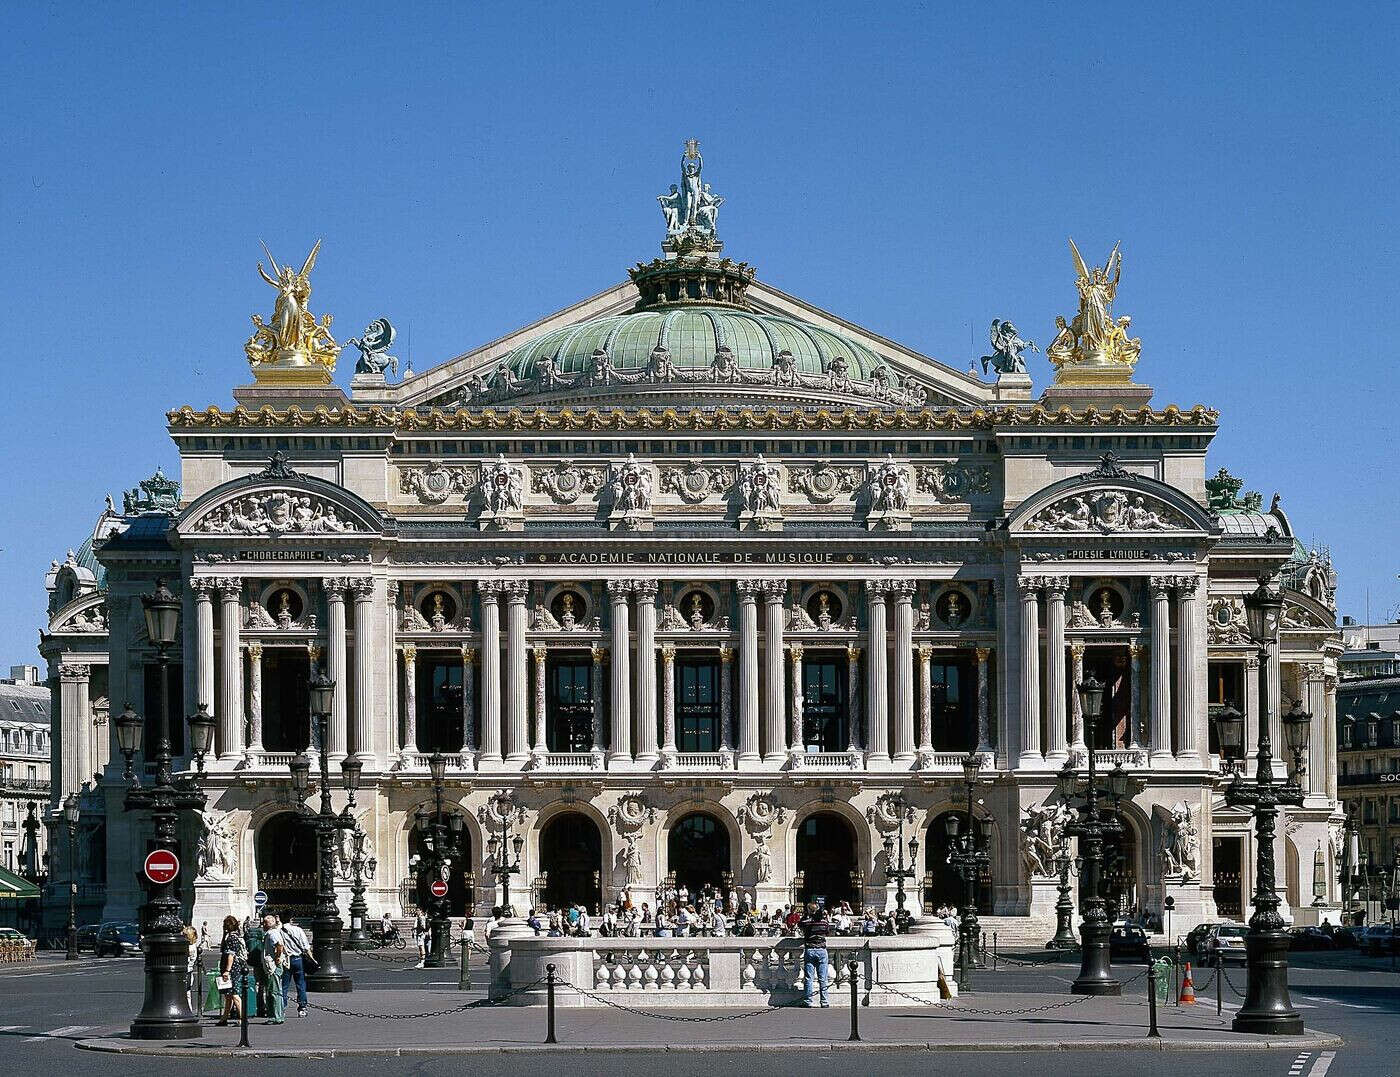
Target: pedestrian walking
x,y
298,948
233,967
817,968
274,963
420,936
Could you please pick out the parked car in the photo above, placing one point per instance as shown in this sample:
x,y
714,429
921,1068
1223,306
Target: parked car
x,y
1225,942
1127,941
1309,938
1196,936
87,937
118,939
10,936
1377,939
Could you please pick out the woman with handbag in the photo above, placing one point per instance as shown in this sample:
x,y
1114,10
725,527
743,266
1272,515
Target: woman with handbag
x,y
233,970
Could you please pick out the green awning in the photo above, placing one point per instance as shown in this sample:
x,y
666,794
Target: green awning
x,y
14,888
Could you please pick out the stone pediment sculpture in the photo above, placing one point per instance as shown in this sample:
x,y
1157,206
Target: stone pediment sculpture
x,y
566,482
503,492
91,620
760,496
434,482
1108,511
1007,347
889,497
215,856
374,345
276,513
823,483
1094,348
1181,844
293,349
631,486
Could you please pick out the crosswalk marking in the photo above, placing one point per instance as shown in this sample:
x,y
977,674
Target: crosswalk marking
x,y
12,1028
1323,1064
1335,1002
66,1030
1298,1064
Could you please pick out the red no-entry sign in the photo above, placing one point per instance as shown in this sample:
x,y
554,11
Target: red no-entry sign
x,y
161,866
438,889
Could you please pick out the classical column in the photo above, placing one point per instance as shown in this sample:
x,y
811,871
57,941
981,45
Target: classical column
x,y
1187,746
645,592
668,700
410,700
877,726
231,691
517,742
541,653
468,695
775,695
1135,656
748,670
76,738
1056,725
796,739
204,589
1160,691
488,590
925,698
334,589
1274,708
1330,726
1315,700
853,708
726,698
595,684
903,591
984,725
362,707
1251,705
1030,669
255,730
1076,713
620,751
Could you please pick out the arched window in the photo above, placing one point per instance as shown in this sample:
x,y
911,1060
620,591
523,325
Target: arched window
x,y
697,851
571,858
826,857
944,885
286,858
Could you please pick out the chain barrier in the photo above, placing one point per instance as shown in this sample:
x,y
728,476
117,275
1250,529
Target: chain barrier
x,y
1000,957
1221,969
387,959
478,1004
676,1017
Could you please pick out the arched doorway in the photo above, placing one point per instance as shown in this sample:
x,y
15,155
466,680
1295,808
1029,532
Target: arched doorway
x,y
945,885
826,857
460,889
1120,879
697,851
286,858
571,859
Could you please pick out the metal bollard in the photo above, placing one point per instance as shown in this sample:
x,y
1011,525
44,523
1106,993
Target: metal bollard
x,y
549,1037
995,954
1176,973
243,1007
1152,1002
1219,1000
464,975
854,970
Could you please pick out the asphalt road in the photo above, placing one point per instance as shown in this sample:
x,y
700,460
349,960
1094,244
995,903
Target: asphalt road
x,y
46,1007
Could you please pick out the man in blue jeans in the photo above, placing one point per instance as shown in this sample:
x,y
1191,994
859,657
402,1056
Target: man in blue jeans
x,y
297,945
816,967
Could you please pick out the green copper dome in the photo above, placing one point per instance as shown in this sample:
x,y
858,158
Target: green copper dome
x,y
692,335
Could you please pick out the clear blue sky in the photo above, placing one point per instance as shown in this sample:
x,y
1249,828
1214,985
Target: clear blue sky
x,y
915,169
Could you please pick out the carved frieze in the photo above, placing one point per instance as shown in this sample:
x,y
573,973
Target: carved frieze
x,y
435,482
566,482
760,493
823,483
954,481
888,483
502,491
1108,512
279,512
631,486
695,482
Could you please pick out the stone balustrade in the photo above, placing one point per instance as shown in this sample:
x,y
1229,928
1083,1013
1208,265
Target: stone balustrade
x,y
715,972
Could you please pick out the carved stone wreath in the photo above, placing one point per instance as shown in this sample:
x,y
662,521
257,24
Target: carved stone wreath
x,y
823,483
760,812
436,482
566,482
695,482
953,481
631,813
884,813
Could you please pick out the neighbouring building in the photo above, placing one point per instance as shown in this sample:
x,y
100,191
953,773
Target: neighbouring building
x,y
24,793
695,579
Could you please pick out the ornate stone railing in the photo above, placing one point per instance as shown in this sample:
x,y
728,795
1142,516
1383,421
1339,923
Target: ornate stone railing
x,y
1129,757
714,972
570,761
704,760
826,760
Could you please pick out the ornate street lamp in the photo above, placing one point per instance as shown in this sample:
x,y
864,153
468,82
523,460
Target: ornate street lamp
x,y
326,925
165,1009
1091,827
505,859
1348,864
1267,1007
442,840
969,859
357,938
70,817
1064,905
903,870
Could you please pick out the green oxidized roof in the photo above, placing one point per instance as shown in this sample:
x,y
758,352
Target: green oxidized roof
x,y
692,335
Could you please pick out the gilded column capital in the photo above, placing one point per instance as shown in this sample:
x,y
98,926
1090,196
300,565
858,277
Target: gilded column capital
x,y
468,655
748,588
618,590
204,586
541,650
313,651
255,650
74,671
983,653
598,654
1076,650
362,587
1137,650
726,656
409,652
335,587
795,653
925,652
853,652
668,653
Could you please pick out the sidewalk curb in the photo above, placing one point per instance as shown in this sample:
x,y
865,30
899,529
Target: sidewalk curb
x,y
1308,1041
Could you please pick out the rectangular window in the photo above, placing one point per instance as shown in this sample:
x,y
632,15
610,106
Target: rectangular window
x,y
569,705
826,713
697,705
10,856
439,702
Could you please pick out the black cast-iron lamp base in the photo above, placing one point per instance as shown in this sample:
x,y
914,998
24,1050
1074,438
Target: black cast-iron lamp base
x,y
166,1013
1095,975
1267,1009
325,951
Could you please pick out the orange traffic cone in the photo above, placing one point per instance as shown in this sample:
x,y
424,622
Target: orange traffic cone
x,y
1188,989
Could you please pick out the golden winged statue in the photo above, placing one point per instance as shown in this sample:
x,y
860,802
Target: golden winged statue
x,y
1094,347
293,348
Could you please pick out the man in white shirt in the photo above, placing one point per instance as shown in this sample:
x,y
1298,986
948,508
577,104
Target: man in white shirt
x,y
298,948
